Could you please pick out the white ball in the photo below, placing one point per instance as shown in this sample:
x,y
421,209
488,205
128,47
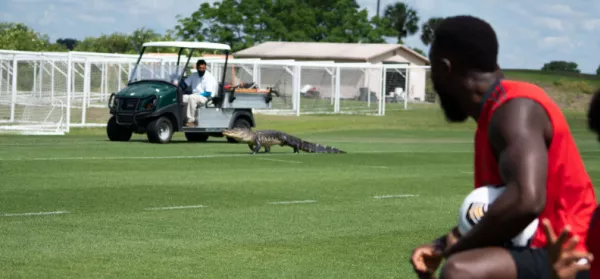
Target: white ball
x,y
476,205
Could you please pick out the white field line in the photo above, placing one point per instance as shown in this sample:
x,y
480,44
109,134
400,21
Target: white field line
x,y
122,158
34,213
283,161
467,172
176,207
375,167
163,157
395,196
222,156
293,202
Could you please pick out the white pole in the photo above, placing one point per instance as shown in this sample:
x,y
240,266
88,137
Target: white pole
x,y
14,89
407,76
86,90
69,89
382,90
120,72
35,80
102,71
336,107
52,82
41,83
298,80
366,84
1,77
333,77
258,76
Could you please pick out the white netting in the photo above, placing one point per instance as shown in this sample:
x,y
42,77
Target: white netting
x,y
407,88
281,79
34,87
33,95
360,90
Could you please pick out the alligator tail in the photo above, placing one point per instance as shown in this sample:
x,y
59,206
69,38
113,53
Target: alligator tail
x,y
317,148
299,144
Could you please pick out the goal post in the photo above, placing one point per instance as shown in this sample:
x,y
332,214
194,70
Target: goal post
x,y
34,99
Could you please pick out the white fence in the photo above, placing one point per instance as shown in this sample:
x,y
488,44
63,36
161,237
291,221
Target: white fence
x,y
51,92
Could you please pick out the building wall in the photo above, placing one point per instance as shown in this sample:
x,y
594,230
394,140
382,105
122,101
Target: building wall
x,y
416,85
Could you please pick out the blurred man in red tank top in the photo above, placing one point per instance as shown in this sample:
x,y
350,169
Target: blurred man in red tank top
x,y
564,258
522,141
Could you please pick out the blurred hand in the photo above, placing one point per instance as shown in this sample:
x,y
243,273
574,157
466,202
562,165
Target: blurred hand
x,y
562,257
425,260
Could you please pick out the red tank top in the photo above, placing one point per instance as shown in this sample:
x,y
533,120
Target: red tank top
x,y
593,244
570,197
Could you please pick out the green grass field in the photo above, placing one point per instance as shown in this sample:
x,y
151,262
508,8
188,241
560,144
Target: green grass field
x,y
120,199
550,77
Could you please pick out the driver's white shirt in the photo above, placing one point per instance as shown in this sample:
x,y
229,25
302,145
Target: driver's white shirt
x,y
206,83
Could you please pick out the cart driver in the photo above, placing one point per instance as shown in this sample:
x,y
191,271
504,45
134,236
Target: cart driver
x,y
203,85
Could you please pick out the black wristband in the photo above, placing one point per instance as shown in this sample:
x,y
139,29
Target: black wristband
x,y
440,243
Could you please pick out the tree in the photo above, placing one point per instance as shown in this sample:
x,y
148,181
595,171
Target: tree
x,y
420,51
143,35
428,29
244,23
18,36
68,43
113,43
598,71
403,18
561,66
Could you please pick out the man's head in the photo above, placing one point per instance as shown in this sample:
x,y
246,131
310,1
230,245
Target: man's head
x,y
594,114
462,46
201,67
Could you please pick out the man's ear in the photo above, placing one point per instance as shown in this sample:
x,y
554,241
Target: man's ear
x,y
447,65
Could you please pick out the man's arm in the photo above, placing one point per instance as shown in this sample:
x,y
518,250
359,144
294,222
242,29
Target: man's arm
x,y
211,84
517,136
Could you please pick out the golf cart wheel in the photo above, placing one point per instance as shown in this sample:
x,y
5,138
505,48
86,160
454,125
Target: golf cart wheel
x,y
239,123
196,137
160,130
116,132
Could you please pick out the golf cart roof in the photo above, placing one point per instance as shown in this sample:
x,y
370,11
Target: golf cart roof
x,y
205,45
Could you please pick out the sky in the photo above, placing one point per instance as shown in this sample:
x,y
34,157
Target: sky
x,y
530,32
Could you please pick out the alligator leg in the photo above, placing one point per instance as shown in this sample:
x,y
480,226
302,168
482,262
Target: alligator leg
x,y
257,147
267,149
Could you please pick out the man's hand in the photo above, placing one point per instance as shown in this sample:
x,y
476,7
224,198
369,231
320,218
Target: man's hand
x,y
563,260
425,260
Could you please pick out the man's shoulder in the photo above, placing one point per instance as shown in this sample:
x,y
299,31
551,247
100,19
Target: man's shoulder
x,y
520,86
209,75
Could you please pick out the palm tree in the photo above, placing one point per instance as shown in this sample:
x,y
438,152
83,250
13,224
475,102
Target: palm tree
x,y
403,18
428,29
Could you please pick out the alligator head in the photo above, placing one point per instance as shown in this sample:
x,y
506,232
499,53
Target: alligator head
x,y
240,134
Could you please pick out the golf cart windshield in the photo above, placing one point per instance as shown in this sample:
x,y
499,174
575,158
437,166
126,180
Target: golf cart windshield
x,y
152,66
157,71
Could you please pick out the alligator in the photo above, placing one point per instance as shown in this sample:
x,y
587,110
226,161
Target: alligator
x,y
268,138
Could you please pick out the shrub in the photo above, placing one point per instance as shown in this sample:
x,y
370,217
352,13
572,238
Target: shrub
x,y
574,86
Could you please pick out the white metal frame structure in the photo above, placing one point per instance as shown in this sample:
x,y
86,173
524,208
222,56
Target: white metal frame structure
x,y
51,92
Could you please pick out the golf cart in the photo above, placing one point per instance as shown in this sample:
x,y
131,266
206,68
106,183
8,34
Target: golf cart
x,y
152,102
